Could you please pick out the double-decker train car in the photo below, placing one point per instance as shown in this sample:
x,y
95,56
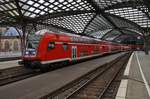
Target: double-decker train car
x,y
48,47
137,47
115,47
125,47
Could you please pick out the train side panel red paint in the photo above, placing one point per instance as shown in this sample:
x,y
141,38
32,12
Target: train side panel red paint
x,y
58,52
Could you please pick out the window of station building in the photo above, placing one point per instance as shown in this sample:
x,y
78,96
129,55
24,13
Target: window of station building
x,y
51,45
65,46
15,46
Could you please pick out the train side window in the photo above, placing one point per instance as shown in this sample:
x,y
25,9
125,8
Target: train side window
x,y
51,45
65,46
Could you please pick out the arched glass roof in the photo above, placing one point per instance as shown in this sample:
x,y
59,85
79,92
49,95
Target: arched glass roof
x,y
85,17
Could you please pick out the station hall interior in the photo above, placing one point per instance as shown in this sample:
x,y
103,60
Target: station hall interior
x,y
74,49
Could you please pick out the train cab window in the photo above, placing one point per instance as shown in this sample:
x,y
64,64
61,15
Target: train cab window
x,y
65,46
51,45
29,45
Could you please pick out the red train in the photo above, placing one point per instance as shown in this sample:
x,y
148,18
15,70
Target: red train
x,y
137,47
52,48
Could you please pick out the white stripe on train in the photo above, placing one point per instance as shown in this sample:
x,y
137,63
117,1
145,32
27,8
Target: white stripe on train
x,y
69,59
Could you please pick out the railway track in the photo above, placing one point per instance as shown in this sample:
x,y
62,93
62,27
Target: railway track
x,y
112,90
93,85
15,74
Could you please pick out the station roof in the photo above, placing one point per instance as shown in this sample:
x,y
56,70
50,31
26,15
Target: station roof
x,y
85,17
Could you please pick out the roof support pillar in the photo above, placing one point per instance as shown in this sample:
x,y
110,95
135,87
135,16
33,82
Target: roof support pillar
x,y
22,37
146,42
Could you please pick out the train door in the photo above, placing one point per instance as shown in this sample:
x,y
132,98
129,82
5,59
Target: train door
x,y
74,52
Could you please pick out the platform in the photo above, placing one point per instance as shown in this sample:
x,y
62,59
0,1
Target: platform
x,y
41,85
135,84
8,56
9,64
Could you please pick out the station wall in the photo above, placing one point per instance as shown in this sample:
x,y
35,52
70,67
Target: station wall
x,y
10,44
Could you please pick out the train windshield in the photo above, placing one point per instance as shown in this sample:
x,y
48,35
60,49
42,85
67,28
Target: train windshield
x,y
33,41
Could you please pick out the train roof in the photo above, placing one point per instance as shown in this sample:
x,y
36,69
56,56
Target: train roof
x,y
42,32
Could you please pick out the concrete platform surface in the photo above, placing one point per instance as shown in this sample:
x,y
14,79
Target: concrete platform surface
x,y
138,78
9,54
9,64
35,87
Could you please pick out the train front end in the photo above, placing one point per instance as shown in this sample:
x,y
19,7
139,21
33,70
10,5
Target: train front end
x,y
30,56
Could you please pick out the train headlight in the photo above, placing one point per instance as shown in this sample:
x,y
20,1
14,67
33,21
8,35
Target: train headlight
x,y
26,53
33,53
30,52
